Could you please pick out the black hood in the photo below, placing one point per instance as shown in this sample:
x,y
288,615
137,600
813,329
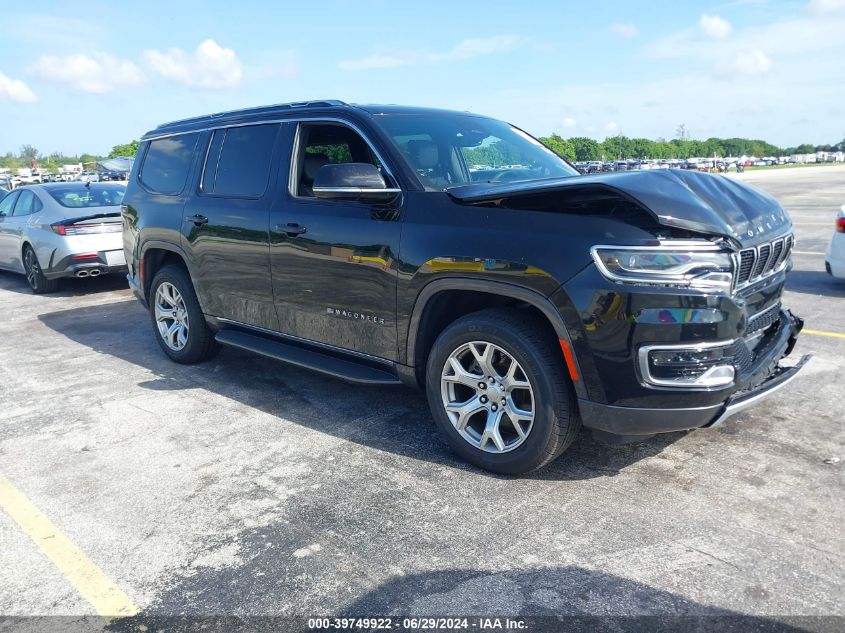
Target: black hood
x,y
694,201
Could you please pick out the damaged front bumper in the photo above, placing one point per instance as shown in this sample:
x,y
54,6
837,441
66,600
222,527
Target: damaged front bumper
x,y
767,377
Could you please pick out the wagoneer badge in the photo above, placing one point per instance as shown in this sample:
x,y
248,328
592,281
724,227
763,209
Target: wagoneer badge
x,y
356,316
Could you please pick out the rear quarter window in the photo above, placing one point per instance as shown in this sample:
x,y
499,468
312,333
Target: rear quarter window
x,y
167,163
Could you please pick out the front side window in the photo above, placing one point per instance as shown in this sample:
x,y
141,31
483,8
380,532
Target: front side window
x,y
239,159
447,150
8,203
167,163
327,144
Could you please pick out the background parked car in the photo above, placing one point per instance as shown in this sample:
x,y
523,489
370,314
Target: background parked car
x,y
835,256
62,230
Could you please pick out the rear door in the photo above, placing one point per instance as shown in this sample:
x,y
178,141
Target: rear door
x,y
7,228
226,224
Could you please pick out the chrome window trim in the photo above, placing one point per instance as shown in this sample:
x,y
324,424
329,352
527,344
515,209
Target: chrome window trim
x,y
292,119
358,190
647,380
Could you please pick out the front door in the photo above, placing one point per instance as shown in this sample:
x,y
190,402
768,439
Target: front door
x,y
334,263
226,224
8,237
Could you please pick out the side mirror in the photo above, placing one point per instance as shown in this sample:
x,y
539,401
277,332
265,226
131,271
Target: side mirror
x,y
353,181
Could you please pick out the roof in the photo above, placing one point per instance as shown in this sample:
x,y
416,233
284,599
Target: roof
x,y
281,110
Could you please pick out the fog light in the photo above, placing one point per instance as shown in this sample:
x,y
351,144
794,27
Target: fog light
x,y
705,366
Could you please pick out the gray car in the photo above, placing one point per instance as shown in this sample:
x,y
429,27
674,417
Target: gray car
x,y
60,230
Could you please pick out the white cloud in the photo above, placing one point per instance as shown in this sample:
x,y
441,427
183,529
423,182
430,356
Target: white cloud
x,y
209,66
97,73
465,49
569,122
823,7
611,127
753,62
15,90
715,27
624,30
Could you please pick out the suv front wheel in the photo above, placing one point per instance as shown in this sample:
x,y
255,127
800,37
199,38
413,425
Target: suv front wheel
x,y
178,321
497,389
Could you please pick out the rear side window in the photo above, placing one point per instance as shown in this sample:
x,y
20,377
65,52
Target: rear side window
x,y
167,163
27,203
239,159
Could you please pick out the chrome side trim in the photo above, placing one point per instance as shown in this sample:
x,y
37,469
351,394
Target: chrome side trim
x,y
645,372
299,339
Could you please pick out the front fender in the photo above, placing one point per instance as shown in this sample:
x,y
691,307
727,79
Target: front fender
x,y
498,288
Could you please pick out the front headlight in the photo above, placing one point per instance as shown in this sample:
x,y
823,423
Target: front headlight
x,y
685,264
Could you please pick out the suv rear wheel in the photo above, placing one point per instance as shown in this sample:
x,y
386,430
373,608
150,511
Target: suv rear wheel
x,y
179,324
497,389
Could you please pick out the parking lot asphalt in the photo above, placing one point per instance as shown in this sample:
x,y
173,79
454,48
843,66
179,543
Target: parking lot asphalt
x,y
246,487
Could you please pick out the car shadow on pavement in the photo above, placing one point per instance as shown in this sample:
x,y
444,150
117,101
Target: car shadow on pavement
x,y
815,282
393,419
70,287
552,599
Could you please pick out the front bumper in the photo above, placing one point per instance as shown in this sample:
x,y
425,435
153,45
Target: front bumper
x,y
767,378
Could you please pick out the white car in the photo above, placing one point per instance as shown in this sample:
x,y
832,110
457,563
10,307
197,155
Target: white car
x,y
58,230
834,260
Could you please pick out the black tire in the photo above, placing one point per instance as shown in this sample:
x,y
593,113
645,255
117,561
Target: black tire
x,y
531,341
34,275
200,344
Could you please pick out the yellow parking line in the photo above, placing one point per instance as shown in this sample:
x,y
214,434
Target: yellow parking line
x,y
822,333
106,597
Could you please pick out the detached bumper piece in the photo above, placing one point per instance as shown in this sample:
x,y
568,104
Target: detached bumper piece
x,y
742,401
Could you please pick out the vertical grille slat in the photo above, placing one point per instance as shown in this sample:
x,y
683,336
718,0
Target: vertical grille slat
x,y
763,252
755,263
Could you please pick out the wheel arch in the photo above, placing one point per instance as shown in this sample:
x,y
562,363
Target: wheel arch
x,y
429,317
154,256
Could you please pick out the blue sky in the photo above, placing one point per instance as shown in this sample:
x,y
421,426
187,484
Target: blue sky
x,y
80,77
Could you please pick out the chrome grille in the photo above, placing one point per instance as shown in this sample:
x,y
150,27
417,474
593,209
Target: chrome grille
x,y
755,263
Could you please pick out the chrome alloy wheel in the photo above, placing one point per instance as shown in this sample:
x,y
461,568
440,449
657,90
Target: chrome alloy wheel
x,y
30,264
171,316
487,397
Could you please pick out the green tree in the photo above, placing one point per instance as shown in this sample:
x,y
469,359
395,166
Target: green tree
x,y
585,148
560,146
126,150
28,153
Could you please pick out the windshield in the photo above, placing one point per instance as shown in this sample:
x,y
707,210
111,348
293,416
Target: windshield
x,y
447,150
78,196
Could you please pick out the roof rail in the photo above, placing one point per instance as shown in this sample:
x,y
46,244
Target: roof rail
x,y
322,103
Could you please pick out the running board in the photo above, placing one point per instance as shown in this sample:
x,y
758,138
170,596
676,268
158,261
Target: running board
x,y
308,359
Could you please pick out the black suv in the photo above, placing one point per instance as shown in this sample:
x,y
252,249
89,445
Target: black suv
x,y
454,252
